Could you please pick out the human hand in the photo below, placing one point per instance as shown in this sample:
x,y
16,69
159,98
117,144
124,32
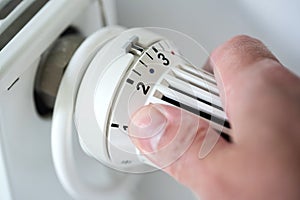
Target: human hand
x,y
262,101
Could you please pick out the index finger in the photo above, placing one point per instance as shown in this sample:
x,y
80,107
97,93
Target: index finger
x,y
232,64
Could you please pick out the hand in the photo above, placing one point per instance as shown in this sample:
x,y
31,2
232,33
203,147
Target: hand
x,y
262,101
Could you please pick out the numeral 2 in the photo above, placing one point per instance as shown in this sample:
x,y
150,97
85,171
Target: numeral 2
x,y
144,88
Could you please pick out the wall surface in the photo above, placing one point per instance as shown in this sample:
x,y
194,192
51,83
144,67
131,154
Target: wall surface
x,y
211,22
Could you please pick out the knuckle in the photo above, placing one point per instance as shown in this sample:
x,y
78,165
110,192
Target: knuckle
x,y
254,48
241,39
244,43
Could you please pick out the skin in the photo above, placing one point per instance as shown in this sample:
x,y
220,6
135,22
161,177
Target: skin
x,y
262,101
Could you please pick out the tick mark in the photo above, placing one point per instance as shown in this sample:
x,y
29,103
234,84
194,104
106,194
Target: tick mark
x,y
13,84
136,72
154,49
149,55
113,125
130,81
143,63
161,46
166,43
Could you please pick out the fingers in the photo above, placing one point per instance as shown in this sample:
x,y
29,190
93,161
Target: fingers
x,y
238,66
175,140
233,57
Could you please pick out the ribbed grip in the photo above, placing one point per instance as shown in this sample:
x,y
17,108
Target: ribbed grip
x,y
194,90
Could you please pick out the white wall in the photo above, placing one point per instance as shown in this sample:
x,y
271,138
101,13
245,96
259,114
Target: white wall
x,y
212,22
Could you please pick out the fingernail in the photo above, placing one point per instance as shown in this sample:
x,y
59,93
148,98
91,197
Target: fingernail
x,y
149,124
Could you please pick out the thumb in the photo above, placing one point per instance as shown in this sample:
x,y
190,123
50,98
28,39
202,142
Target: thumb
x,y
172,139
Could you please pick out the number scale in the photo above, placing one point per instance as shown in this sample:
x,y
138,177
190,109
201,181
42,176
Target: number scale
x,y
134,69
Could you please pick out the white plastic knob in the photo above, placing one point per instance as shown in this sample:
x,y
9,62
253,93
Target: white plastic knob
x,y
112,74
134,69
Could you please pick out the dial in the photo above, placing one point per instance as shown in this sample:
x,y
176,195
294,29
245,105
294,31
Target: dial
x,y
112,74
134,69
161,75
